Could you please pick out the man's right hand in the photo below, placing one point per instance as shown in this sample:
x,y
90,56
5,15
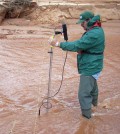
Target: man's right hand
x,y
53,42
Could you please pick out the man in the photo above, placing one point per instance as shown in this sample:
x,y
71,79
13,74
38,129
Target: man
x,y
90,48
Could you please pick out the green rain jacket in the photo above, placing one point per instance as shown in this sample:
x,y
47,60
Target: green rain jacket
x,y
92,43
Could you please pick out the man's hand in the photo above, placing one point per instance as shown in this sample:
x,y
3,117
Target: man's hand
x,y
53,42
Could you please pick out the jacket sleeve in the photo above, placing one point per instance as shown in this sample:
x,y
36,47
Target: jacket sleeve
x,y
85,42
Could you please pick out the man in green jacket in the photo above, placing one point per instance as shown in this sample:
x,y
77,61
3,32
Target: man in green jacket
x,y
90,48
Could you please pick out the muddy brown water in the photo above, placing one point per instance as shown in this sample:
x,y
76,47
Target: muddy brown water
x,y
24,67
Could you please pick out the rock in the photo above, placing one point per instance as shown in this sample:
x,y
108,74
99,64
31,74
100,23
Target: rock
x,y
76,10
3,11
43,8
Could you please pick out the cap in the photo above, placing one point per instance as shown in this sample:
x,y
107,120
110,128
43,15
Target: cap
x,y
85,16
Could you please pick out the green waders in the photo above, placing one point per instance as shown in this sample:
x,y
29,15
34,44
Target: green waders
x,y
88,94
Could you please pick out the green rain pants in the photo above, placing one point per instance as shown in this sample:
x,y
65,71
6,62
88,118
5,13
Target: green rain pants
x,y
88,94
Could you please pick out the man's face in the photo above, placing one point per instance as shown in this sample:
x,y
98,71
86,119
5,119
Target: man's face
x,y
84,25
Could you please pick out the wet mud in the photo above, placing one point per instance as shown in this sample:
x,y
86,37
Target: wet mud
x,y
24,69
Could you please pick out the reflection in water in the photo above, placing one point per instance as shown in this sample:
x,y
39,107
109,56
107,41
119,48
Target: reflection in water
x,y
24,67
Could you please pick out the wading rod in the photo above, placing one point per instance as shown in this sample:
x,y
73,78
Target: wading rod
x,y
49,80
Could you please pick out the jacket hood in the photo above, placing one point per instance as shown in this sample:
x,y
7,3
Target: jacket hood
x,y
93,20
